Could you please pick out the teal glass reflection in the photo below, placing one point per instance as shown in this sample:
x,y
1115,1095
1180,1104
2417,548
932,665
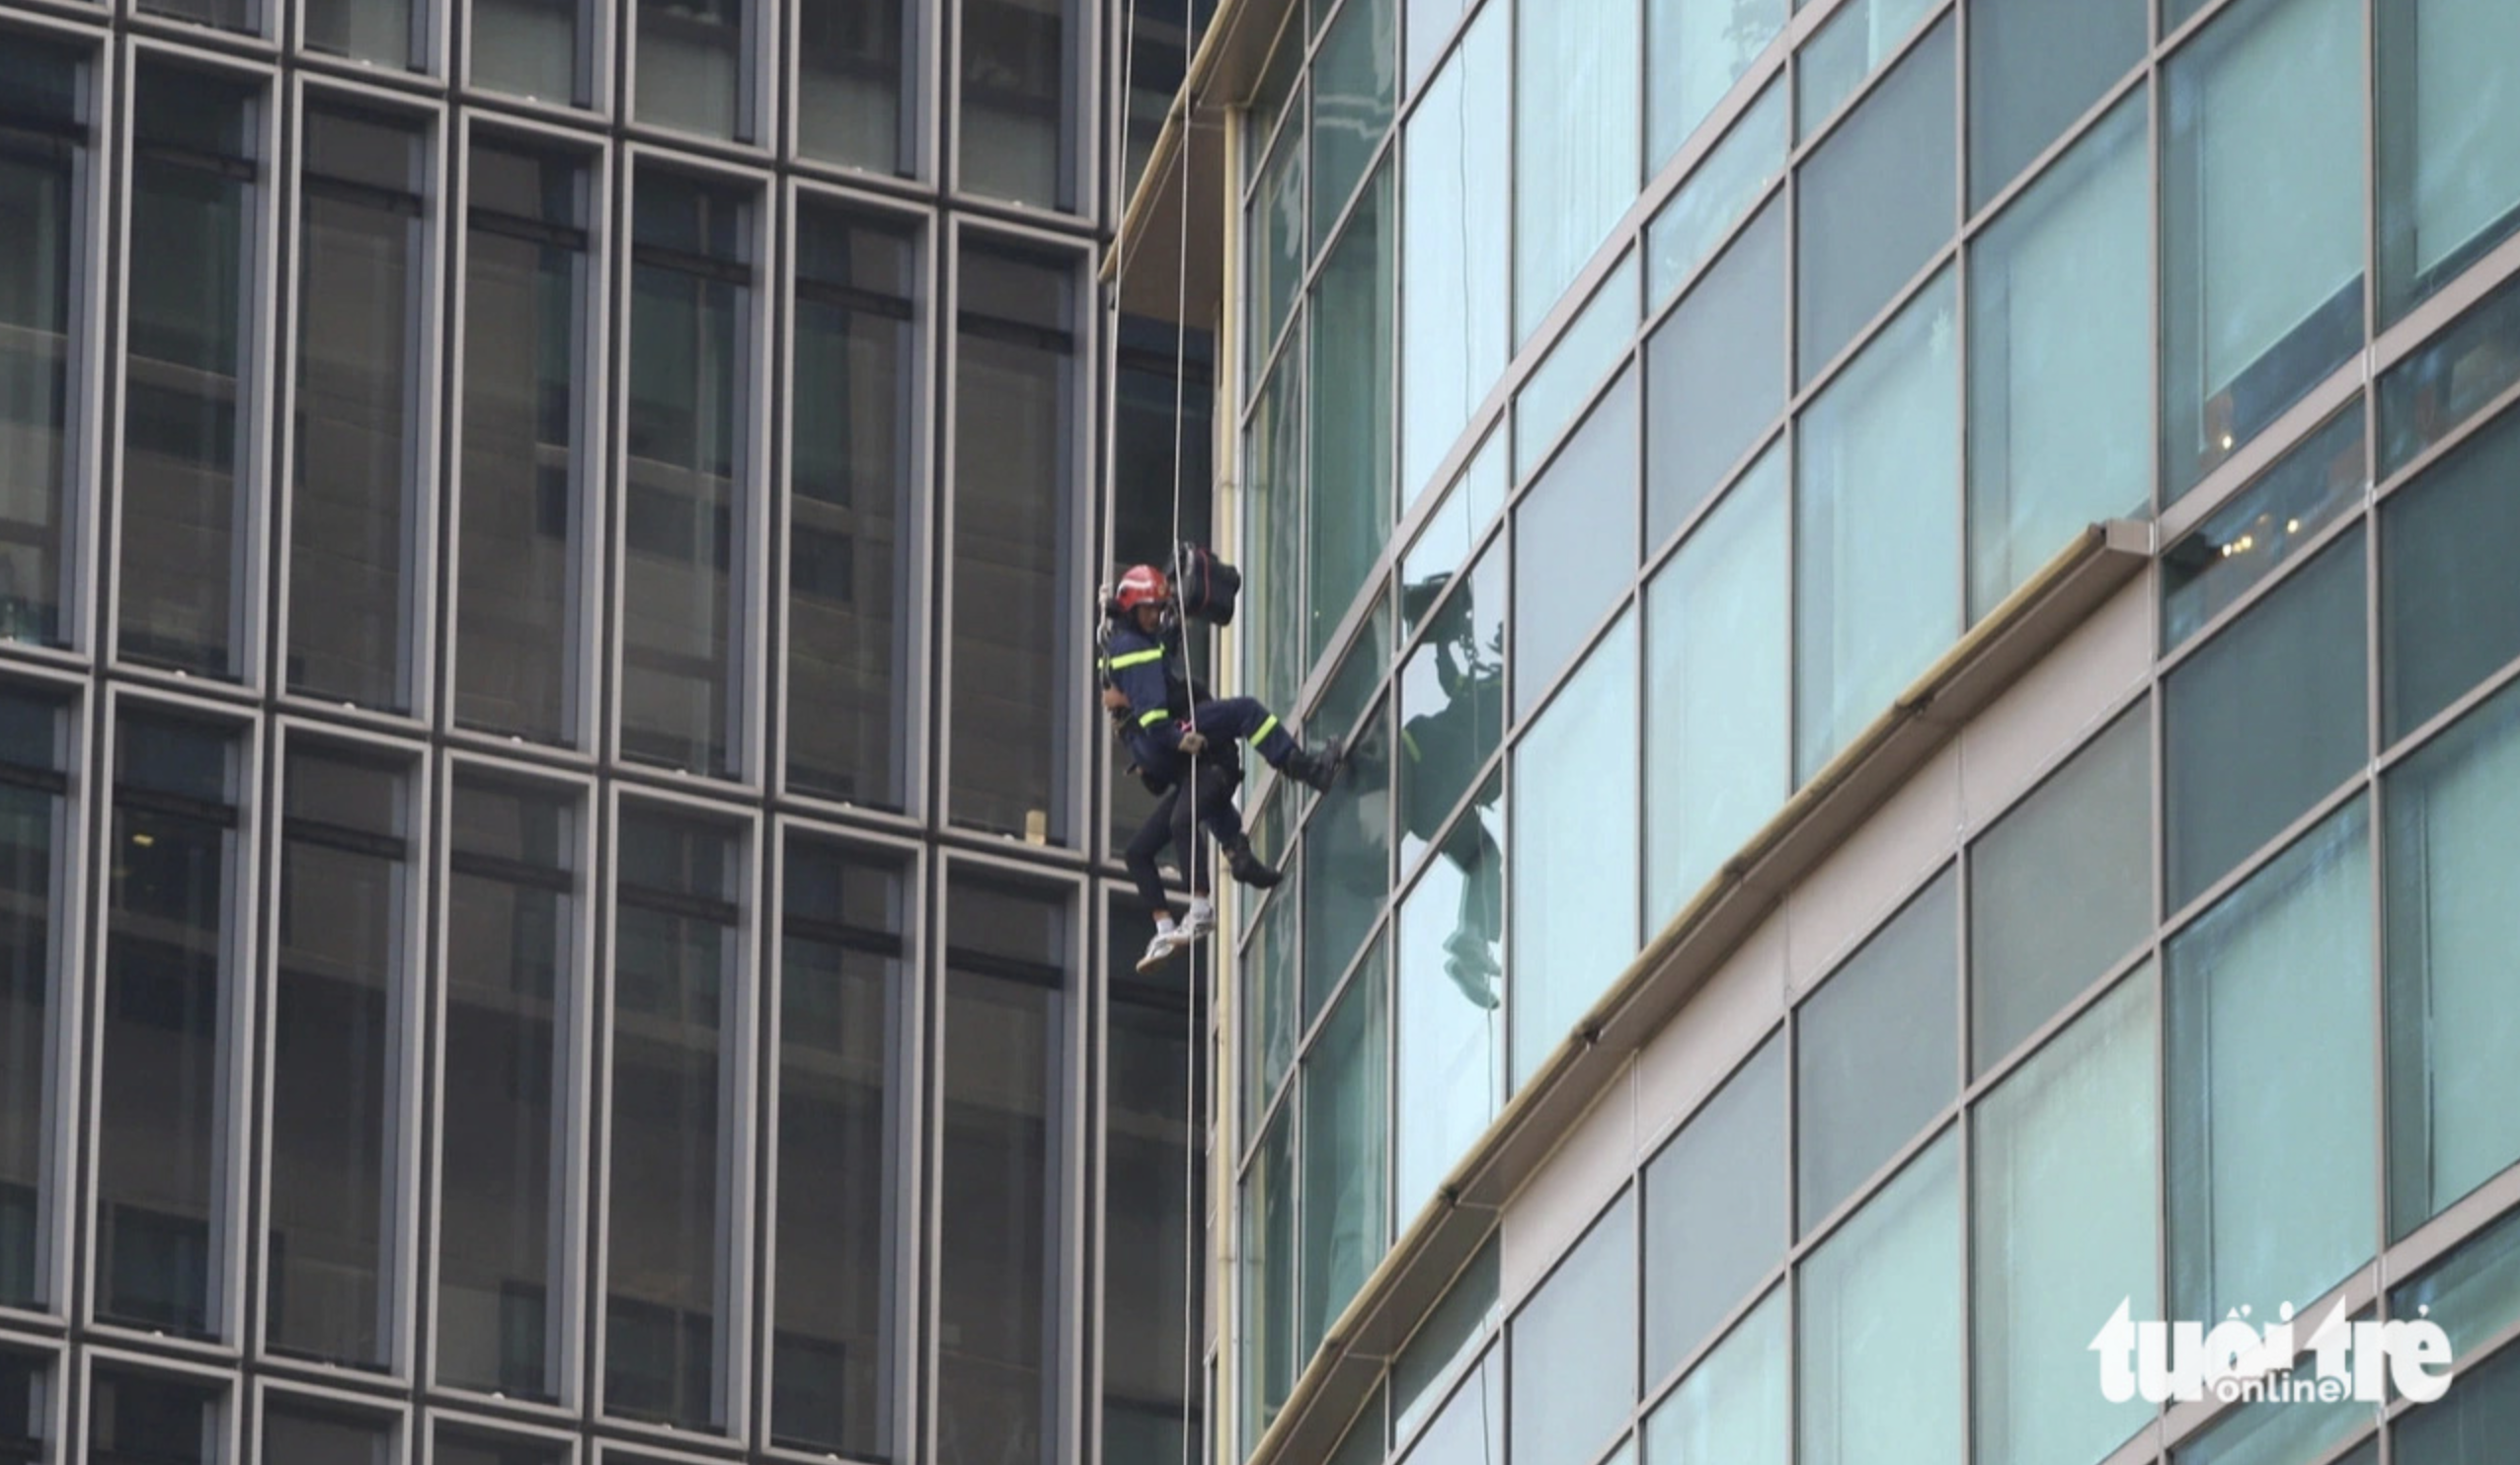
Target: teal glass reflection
x,y
2264,525
2449,151
1434,1356
1850,47
1560,386
1715,378
1450,1076
1346,1151
1270,1359
2474,1294
1273,535
1355,86
1575,141
1731,1407
1274,251
2436,389
1445,540
1715,1212
1718,194
2035,66
2449,604
1452,317
1575,541
1349,516
1270,1004
1694,51
1893,1271
1573,1349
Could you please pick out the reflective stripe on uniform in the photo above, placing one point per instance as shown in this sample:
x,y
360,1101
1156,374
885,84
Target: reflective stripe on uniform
x,y
1155,716
1134,659
1266,728
1410,743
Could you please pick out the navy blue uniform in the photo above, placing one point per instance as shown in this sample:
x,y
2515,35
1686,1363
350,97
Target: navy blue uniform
x,y
1139,665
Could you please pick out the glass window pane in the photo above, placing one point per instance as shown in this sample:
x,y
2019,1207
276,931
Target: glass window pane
x,y
1560,386
1347,850
2449,604
514,960
2261,222
189,398
1435,1355
1580,512
1891,1272
307,1435
844,997
378,31
1273,527
338,1000
2268,1433
2437,389
1849,46
1574,1347
2263,720
1004,1148
1718,753
1451,698
1715,377
163,1154
692,66
1355,84
27,1424
1016,453
2474,1294
1271,1001
1471,1424
456,1445
1150,1221
1695,49
1270,1361
1453,321
1575,854
2060,346
1575,126
1877,570
684,520
2060,888
2271,1165
1349,515
2067,1226
1363,1442
1346,1151
143,1419
1732,1406
2449,170
2034,67
1876,203
1875,1051
2476,1418
2454,992
2264,525
1715,1219
1017,115
521,557
33,821
854,468
533,49
1718,193
677,979
1275,252
1430,23
41,176
851,57
1450,1077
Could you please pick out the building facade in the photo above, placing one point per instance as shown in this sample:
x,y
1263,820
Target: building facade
x,y
554,909
1921,590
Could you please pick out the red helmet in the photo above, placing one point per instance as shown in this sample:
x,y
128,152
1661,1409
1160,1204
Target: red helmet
x,y
1144,584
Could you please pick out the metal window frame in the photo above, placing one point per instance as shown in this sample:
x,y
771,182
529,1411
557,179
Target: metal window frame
x,y
396,1416
755,76
1079,144
568,1444
227,1410
592,87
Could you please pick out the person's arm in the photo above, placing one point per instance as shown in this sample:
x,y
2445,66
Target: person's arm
x,y
1138,674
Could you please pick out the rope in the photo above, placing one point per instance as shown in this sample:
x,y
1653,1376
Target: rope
x,y
1194,1106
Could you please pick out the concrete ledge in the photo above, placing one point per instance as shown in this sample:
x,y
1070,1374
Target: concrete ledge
x,y
1654,987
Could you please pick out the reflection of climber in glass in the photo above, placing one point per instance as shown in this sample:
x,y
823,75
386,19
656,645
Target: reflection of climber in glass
x,y
1440,752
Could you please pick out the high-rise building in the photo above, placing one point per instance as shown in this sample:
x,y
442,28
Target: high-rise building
x,y
1925,593
552,911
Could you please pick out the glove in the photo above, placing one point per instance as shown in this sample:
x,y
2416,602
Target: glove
x,y
1194,742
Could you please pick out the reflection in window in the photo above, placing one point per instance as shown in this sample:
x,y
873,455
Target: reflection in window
x,y
355,452
2261,222
1574,887
533,49
27,1426
456,1445
1715,377
1004,1146
1452,325
2059,341
144,1418
1892,1271
227,15
1875,201
2067,1226
188,402
2270,1165
1346,1152
2034,67
2454,993
852,501
1451,698
1695,49
295,1433
33,820
1874,1057
1270,1012
1349,513
852,58
2060,888
1146,1231
2473,1420
2263,720
1435,1355
1471,1424
1877,571
2450,606
512,968
1273,518
1275,249
677,980
685,521
1347,854
162,1155
1580,513
1450,1075
521,560
1018,90
378,31
1575,140
1574,1347
1355,83
844,997
2474,1294
44,174
2449,113
1562,384
1715,1219
338,1036
692,71
1719,193
1732,1406
2437,388
1853,42
2290,1433
2262,526
1016,454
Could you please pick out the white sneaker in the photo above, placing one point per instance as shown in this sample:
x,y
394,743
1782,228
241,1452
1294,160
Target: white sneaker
x,y
1166,941
1200,920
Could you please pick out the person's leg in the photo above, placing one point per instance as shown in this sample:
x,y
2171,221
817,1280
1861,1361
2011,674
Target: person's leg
x,y
1224,821
1139,857
1245,720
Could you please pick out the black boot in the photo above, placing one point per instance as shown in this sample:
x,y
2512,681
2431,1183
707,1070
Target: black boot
x,y
1317,769
1249,868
